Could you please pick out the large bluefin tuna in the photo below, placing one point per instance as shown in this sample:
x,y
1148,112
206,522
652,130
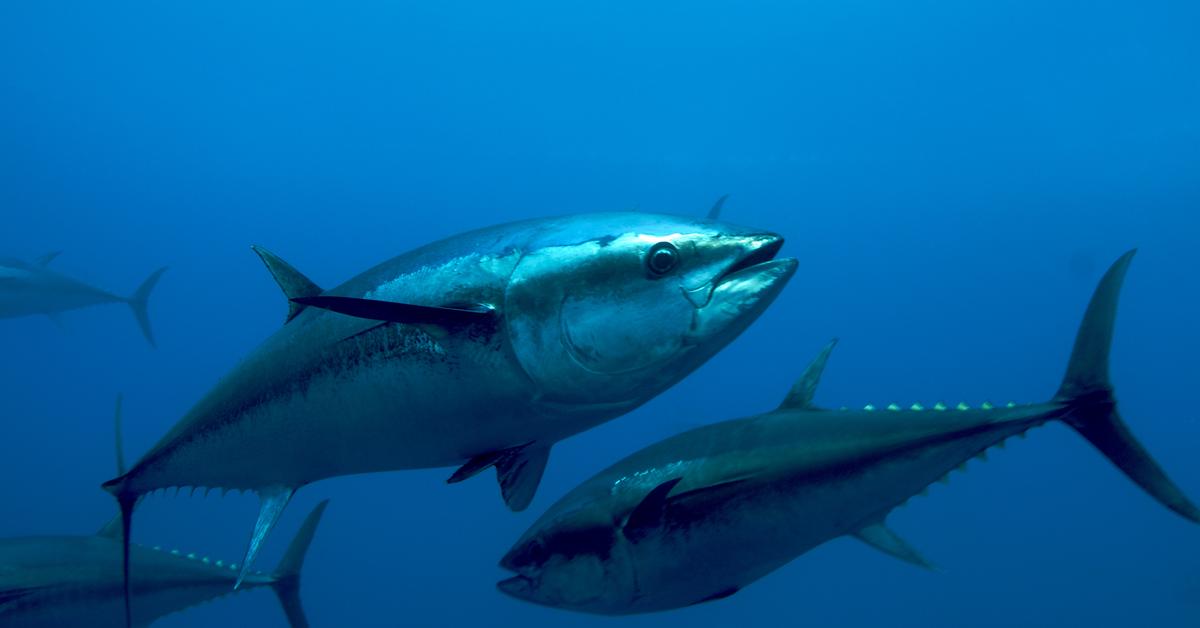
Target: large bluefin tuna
x,y
33,289
480,350
698,516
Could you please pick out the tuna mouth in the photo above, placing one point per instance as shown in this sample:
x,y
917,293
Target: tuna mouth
x,y
517,586
764,250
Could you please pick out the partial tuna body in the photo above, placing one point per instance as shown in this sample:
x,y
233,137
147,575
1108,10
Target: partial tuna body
x,y
701,515
76,581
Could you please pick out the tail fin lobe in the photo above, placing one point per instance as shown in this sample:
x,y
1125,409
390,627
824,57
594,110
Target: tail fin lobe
x,y
1091,408
138,302
287,573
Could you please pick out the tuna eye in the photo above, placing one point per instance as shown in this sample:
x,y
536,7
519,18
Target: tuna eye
x,y
662,258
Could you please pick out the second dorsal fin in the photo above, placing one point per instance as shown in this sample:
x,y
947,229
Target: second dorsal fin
x,y
293,283
801,394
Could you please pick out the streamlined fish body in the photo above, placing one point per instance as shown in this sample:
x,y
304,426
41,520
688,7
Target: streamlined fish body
x,y
76,581
481,350
698,516
28,289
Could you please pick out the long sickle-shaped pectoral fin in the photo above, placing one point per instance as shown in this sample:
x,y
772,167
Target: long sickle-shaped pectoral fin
x,y
274,500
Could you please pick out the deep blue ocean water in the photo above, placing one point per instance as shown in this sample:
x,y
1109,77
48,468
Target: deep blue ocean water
x,y
953,177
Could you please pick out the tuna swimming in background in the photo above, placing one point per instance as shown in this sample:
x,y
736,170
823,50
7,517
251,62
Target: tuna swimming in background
x,y
76,581
480,350
28,289
701,515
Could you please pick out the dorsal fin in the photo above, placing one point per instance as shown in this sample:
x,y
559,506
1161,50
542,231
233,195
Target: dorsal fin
x,y
117,437
293,283
45,260
801,394
112,529
714,212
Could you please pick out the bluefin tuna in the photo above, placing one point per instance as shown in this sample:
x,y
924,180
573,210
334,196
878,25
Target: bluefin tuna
x,y
703,514
28,289
76,581
481,350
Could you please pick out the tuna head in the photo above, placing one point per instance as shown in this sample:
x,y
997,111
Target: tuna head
x,y
578,563
612,321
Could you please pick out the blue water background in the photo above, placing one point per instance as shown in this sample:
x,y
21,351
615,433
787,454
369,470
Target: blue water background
x,y
953,177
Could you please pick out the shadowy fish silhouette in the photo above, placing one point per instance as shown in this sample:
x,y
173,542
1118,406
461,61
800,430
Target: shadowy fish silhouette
x,y
28,289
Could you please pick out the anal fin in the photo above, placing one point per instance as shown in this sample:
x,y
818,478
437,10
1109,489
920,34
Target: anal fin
x,y
888,542
273,501
719,595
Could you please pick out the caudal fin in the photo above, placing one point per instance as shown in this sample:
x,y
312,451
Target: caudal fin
x,y
287,574
138,303
1092,407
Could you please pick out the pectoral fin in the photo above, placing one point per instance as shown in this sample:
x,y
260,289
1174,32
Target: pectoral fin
x,y
647,516
886,541
392,312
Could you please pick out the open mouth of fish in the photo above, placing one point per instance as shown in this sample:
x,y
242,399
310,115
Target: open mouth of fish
x,y
757,260
760,256
517,586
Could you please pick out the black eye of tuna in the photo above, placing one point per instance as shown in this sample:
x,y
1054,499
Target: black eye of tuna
x,y
662,258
